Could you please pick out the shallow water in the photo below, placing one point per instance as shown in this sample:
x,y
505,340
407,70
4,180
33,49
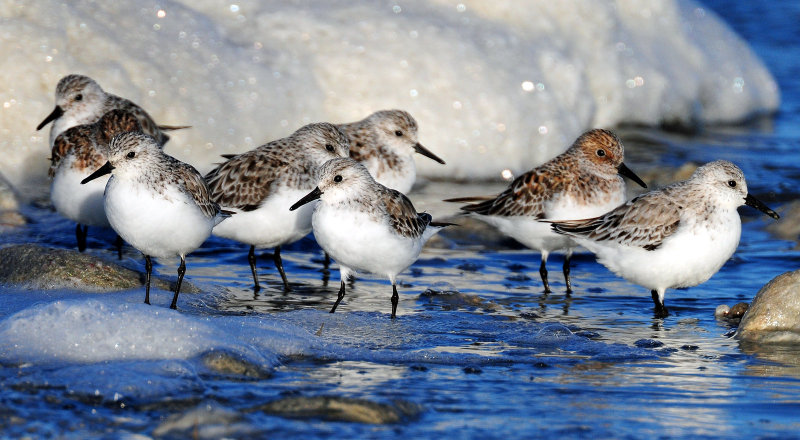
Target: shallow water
x,y
497,359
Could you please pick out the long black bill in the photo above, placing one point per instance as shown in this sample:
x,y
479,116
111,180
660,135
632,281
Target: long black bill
x,y
625,171
105,169
755,203
57,112
310,197
427,153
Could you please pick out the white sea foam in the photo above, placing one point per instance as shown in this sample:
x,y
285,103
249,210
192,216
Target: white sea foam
x,y
494,85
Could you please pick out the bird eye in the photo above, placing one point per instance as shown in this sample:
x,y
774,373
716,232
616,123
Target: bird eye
x,y
79,97
398,133
131,154
732,183
337,179
601,152
329,147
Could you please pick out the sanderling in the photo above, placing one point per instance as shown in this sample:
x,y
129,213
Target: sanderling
x,y
77,152
158,204
385,142
364,225
261,184
582,182
80,100
677,236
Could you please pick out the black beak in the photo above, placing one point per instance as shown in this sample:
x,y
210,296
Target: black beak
x,y
625,171
310,197
105,169
427,153
57,112
755,203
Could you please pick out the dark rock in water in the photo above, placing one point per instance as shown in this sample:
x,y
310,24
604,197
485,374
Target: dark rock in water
x,y
208,420
774,314
449,298
731,314
39,267
227,363
344,409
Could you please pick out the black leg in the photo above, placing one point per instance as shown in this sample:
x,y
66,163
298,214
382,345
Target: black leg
x,y
279,264
660,311
118,243
566,273
148,267
543,273
181,272
395,300
251,258
80,234
339,299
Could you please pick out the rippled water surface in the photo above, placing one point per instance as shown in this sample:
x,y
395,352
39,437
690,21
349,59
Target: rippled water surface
x,y
477,349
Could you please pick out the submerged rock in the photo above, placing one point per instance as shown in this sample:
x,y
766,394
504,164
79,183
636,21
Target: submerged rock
x,y
206,421
774,315
789,226
44,268
227,363
344,409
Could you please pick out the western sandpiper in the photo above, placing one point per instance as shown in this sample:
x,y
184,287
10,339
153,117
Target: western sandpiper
x,y
385,142
582,182
77,152
80,100
158,204
677,236
364,225
261,184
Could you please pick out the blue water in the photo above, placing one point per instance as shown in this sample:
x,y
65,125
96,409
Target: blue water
x,y
478,351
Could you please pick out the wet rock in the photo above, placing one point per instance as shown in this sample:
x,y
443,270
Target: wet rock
x,y
449,298
731,314
39,267
342,409
206,421
774,314
233,364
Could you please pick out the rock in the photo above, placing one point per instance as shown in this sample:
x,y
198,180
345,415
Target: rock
x,y
206,421
39,267
232,364
344,409
448,298
774,315
731,314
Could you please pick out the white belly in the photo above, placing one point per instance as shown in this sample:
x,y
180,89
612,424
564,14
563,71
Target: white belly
x,y
357,242
157,225
80,203
272,224
689,257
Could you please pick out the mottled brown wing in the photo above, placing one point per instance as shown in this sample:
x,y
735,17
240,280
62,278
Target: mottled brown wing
x,y
645,221
192,182
79,141
524,197
244,181
147,123
402,216
359,140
